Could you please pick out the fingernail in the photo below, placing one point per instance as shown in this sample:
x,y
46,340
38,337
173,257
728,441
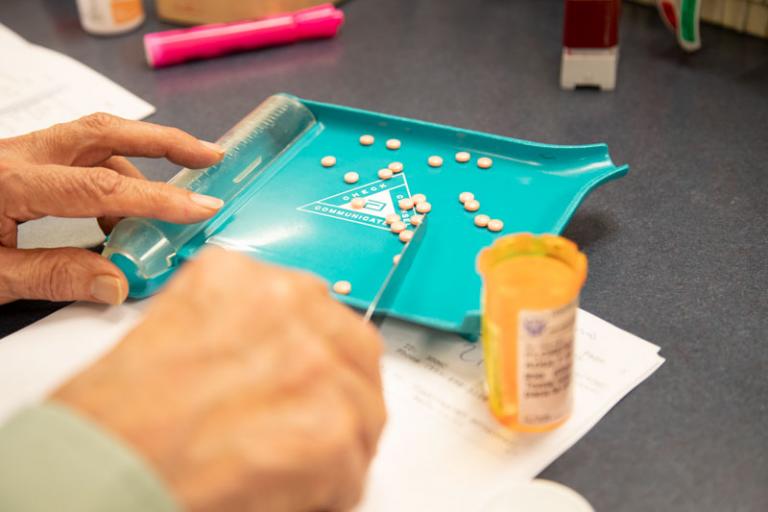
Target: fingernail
x,y
213,146
214,203
108,289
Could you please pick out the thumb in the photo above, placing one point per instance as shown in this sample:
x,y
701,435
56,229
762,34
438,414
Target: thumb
x,y
64,274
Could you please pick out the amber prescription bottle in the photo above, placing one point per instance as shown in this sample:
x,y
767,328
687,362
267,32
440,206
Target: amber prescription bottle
x,y
531,287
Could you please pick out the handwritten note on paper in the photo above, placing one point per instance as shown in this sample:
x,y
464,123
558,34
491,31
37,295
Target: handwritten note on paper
x,y
441,449
40,87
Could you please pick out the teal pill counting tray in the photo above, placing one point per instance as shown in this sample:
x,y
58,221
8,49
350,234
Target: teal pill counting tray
x,y
284,207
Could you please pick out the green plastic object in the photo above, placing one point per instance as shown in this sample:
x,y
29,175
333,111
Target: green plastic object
x,y
283,206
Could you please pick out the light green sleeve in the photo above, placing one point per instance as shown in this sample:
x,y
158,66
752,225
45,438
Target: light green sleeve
x,y
53,459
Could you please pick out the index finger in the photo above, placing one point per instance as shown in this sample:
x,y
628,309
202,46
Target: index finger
x,y
96,192
92,139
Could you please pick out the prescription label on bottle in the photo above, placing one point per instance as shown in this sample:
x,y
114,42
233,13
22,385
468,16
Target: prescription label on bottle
x,y
124,11
545,364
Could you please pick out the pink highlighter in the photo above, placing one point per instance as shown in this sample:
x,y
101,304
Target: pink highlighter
x,y
207,41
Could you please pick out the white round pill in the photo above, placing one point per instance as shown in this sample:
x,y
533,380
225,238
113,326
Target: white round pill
x,y
424,207
351,177
481,220
342,287
358,203
405,236
495,225
418,198
397,226
484,162
405,204
396,259
392,217
435,161
393,144
417,219
366,140
472,205
396,167
328,161
385,174
463,157
466,196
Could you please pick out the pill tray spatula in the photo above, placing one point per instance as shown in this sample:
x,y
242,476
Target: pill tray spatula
x,y
283,207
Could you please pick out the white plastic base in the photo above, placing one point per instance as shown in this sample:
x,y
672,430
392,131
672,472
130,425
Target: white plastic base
x,y
594,67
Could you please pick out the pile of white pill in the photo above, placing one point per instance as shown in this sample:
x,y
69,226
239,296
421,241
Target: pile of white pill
x,y
405,203
417,202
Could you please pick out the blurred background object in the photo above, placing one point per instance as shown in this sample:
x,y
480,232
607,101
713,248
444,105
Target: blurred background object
x,y
590,44
194,12
110,17
207,41
749,16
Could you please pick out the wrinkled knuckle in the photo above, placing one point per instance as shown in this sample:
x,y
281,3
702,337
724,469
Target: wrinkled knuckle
x,y
316,363
52,278
105,182
98,121
10,172
282,291
176,133
11,181
57,133
11,192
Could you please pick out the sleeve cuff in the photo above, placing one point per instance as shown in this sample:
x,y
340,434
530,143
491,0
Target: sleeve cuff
x,y
53,459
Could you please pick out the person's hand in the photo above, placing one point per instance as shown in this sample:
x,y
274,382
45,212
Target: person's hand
x,y
78,169
247,387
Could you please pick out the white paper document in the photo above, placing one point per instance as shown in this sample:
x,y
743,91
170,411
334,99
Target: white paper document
x,y
40,87
441,449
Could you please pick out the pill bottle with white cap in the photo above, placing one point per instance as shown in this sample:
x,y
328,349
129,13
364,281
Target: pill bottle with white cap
x,y
110,17
531,287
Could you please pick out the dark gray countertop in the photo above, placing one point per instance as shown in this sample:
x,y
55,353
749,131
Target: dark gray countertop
x,y
677,249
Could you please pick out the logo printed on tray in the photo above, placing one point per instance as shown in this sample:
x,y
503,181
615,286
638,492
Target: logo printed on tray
x,y
381,199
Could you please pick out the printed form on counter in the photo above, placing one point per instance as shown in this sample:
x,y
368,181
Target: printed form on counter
x,y
40,87
441,449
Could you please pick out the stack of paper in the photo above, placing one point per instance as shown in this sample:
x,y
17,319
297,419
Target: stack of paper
x,y
441,449
40,87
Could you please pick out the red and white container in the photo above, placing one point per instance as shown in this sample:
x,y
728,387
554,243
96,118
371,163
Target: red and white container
x,y
590,44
